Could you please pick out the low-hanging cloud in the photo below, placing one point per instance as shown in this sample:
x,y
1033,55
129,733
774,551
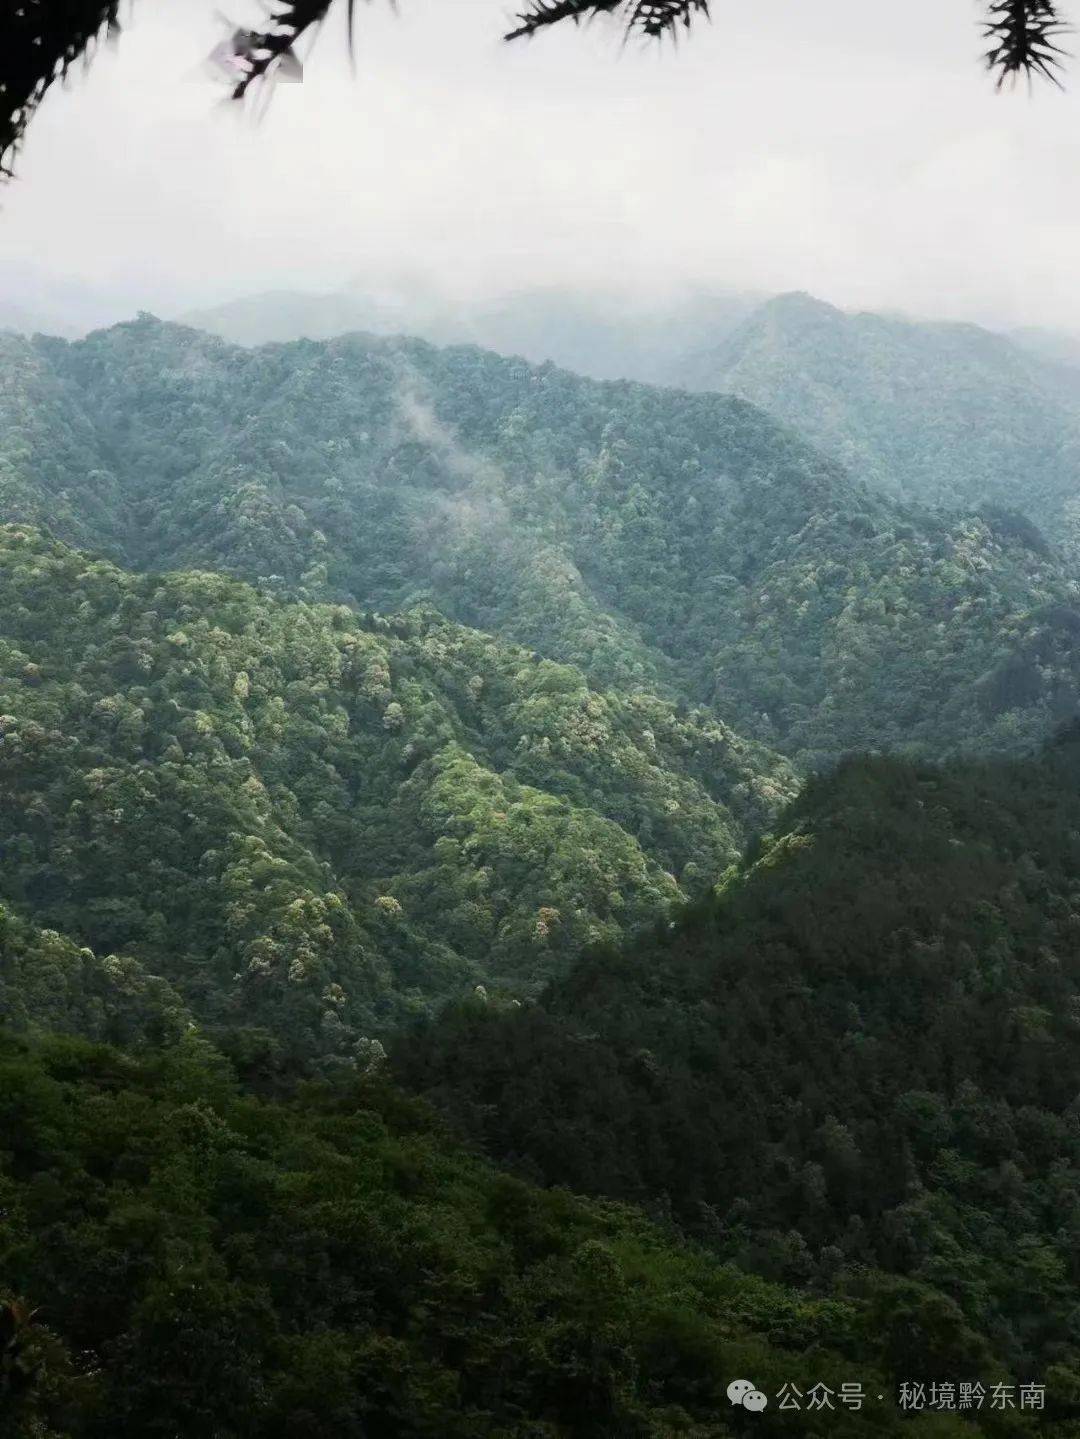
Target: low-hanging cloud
x,y
473,511
857,152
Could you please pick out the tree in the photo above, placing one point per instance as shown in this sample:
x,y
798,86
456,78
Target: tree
x,y
40,41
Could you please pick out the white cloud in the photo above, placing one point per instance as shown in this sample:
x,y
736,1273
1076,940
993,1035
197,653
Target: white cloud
x,y
822,146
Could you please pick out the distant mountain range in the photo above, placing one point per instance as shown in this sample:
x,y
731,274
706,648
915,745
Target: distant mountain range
x,y
684,543
529,656
606,339
943,413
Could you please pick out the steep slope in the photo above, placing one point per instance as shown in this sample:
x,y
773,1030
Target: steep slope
x,y
864,1049
569,514
1059,346
181,1258
53,466
655,539
945,414
313,819
48,983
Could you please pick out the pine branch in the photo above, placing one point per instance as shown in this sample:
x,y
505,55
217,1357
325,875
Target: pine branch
x,y
289,21
40,42
656,18
653,18
550,12
41,39
1023,35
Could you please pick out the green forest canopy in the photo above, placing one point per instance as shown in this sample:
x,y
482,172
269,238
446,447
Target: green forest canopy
x,y
208,1261
350,678
861,1051
681,544
320,820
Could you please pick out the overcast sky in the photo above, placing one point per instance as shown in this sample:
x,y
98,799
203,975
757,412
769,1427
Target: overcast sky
x,y
853,149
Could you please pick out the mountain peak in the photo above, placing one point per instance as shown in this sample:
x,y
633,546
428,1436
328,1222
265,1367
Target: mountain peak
x,y
798,304
800,300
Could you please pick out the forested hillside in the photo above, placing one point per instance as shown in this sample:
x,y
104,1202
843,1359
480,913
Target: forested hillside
x,y
681,543
208,1262
312,818
360,696
48,983
865,1049
945,414
942,413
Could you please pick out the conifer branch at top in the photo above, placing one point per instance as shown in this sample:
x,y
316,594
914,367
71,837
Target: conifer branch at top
x,y
652,18
1023,36
39,42
41,39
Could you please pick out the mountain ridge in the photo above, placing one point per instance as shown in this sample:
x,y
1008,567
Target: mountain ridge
x,y
862,1049
683,543
265,808
319,821
940,412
